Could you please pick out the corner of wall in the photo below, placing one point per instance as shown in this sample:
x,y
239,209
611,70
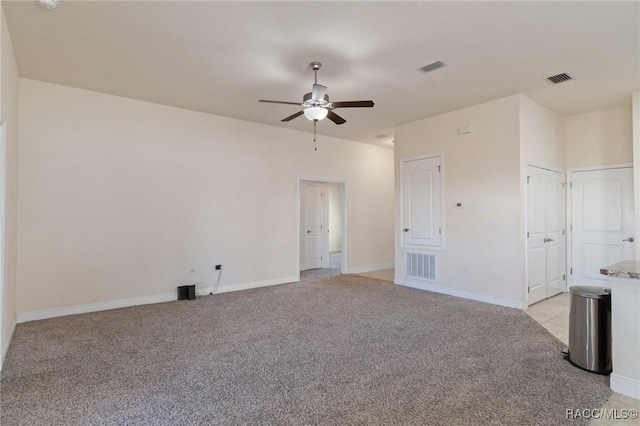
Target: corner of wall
x,y
9,82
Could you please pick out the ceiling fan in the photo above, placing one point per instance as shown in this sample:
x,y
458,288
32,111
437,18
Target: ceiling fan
x,y
316,105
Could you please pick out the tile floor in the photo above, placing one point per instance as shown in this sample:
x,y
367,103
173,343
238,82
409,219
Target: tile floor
x,y
553,314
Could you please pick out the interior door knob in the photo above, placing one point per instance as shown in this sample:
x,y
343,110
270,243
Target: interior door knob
x,y
406,230
630,239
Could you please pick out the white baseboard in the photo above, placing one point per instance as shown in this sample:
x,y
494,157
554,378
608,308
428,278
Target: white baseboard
x,y
516,304
5,349
124,303
625,385
95,307
370,268
256,284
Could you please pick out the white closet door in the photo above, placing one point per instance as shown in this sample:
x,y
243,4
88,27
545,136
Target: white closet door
x,y
546,275
421,202
536,236
555,221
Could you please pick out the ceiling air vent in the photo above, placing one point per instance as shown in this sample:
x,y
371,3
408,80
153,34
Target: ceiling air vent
x,y
560,78
432,67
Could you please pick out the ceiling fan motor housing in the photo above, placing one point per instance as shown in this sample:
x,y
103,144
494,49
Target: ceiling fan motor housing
x,y
307,100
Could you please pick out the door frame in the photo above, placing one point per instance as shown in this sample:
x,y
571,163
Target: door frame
x,y
568,180
3,216
526,222
299,195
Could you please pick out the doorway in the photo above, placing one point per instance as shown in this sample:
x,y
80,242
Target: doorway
x,y
322,236
602,222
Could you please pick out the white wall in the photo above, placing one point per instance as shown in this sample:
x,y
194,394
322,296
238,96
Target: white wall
x,y
599,138
481,169
9,116
335,217
541,135
119,198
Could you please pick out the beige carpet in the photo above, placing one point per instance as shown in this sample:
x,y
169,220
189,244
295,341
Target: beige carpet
x,y
329,350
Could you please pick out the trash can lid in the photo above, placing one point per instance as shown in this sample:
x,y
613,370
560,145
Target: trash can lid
x,y
591,292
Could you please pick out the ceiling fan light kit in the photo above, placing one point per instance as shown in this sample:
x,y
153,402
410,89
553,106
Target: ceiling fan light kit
x,y
316,113
316,105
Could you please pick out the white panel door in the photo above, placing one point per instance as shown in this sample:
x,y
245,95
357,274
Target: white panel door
x,y
536,233
421,202
555,224
313,226
545,234
602,219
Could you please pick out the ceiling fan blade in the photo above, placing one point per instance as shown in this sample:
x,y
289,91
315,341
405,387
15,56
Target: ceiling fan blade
x,y
318,92
292,116
280,102
336,118
353,104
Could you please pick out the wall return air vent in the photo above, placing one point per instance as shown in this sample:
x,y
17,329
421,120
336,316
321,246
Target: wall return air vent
x,y
420,265
560,78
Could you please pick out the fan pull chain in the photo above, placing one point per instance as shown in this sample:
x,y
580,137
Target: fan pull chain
x,y
315,145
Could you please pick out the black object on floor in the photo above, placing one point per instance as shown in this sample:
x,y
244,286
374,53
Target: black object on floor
x,y
187,292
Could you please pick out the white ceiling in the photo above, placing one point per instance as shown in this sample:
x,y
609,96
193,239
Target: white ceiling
x,y
221,57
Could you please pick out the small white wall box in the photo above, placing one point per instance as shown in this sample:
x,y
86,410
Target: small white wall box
x,y
495,226
464,130
187,292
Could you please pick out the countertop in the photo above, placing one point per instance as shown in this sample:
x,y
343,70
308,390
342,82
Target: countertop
x,y
624,269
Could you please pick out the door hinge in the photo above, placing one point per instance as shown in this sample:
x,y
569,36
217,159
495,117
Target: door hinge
x,y
440,231
438,168
563,232
528,177
322,195
320,227
571,227
528,290
571,271
321,258
564,278
527,234
563,185
571,185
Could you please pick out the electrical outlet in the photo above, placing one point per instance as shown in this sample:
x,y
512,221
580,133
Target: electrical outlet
x,y
218,267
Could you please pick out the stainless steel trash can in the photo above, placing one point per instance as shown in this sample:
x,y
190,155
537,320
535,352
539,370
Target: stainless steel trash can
x,y
590,328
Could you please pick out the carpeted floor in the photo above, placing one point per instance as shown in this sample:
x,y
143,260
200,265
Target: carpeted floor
x,y
329,350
